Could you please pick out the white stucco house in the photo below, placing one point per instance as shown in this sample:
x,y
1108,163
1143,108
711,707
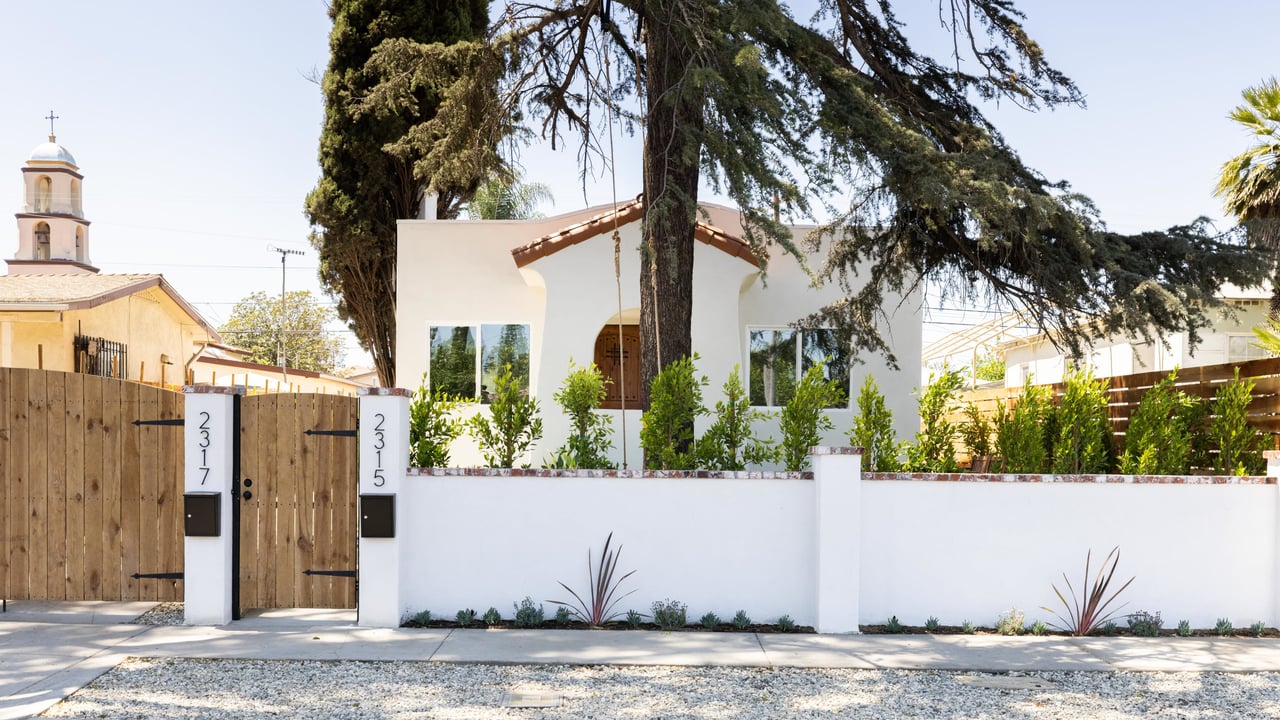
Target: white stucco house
x,y
542,293
1228,340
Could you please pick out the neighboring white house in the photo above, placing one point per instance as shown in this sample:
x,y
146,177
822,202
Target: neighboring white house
x,y
542,293
1229,340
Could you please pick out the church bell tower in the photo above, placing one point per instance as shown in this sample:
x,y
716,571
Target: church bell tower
x,y
53,236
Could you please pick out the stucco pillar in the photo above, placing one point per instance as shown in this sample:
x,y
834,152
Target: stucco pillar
x,y
837,476
1273,471
384,456
210,432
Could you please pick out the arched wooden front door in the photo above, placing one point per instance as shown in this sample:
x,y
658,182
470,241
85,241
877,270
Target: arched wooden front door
x,y
620,363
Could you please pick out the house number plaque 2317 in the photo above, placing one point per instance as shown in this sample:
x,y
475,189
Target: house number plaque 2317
x,y
379,443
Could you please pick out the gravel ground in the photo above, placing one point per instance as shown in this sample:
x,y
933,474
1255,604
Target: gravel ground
x,y
145,688
170,613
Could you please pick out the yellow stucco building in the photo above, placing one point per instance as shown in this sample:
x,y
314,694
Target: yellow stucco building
x,y
57,312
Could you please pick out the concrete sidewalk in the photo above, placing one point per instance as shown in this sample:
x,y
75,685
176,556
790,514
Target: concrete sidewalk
x,y
48,653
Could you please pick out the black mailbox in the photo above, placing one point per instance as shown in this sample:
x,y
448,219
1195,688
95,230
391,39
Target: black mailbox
x,y
203,513
378,516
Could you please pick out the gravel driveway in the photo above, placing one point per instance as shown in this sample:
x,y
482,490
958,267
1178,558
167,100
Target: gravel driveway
x,y
145,688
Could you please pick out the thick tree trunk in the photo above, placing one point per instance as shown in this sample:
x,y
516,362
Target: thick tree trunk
x,y
672,126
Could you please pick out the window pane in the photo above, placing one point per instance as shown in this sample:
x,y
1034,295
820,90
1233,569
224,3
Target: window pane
x,y
453,360
1242,347
502,345
772,367
821,347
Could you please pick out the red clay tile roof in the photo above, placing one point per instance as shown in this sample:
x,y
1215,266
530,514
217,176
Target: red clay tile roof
x,y
626,213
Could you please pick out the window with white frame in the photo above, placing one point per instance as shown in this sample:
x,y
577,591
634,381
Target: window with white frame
x,y
1244,347
779,357
465,359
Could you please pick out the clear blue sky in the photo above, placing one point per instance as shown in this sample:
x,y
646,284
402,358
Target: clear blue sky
x,y
196,124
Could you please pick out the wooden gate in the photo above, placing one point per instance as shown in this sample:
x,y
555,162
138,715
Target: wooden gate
x,y
297,501
90,491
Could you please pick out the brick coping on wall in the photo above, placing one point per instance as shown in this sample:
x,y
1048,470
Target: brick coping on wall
x,y
1076,479
910,477
636,474
870,476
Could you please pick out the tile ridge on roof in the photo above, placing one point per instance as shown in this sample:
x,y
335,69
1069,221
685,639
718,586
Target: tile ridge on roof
x,y
599,224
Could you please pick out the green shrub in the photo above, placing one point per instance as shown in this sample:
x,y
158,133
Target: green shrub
x,y
433,426
1012,622
1224,627
968,628
563,616
1184,628
934,449
514,425
635,619
1158,440
804,417
1081,427
1145,624
1039,628
589,432
1020,432
873,431
528,615
729,443
491,617
786,624
1258,629
465,617
669,614
975,432
740,620
710,621
1230,430
666,428
931,624
894,625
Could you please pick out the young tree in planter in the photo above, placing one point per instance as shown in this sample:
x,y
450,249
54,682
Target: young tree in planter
x,y
666,428
729,443
1081,428
1230,430
1020,431
934,449
1159,438
873,431
580,396
433,426
514,426
804,417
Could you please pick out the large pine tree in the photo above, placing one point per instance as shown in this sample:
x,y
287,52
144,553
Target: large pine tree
x,y
364,186
838,114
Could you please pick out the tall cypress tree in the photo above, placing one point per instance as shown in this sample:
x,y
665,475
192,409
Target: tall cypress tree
x,y
364,186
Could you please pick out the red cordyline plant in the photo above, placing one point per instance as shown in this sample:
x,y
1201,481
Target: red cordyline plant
x,y
601,591
1085,614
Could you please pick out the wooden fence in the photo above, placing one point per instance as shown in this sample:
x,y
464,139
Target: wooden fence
x,y
1126,391
88,498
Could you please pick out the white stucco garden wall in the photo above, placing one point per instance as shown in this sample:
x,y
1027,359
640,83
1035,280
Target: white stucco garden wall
x,y
718,545
956,549
970,550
